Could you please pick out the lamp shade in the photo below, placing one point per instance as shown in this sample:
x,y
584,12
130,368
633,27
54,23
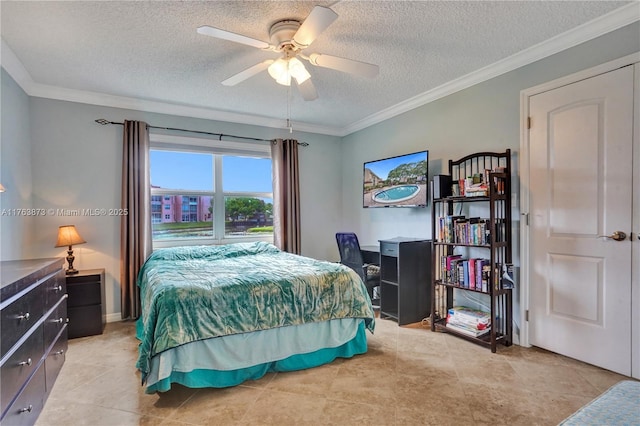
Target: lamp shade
x,y
68,236
1,188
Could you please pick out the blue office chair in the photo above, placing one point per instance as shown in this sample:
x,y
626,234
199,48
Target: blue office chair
x,y
351,256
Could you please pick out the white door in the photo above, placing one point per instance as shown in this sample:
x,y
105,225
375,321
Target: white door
x,y
581,163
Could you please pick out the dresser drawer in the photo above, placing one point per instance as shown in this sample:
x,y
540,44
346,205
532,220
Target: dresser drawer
x,y
19,366
55,359
20,316
55,322
54,288
388,249
29,403
84,293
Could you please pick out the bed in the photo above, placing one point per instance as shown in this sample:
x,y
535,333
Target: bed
x,y
217,316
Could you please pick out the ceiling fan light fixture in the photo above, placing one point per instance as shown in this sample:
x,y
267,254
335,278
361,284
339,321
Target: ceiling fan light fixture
x,y
298,71
279,70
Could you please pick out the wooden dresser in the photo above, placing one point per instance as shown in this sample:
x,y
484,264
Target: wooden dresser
x,y
33,343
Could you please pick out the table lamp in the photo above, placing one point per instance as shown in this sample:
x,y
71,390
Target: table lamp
x,y
68,236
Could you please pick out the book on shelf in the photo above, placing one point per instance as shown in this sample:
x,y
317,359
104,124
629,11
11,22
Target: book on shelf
x,y
463,316
480,263
507,277
476,190
465,273
472,274
450,267
446,228
468,331
455,229
486,276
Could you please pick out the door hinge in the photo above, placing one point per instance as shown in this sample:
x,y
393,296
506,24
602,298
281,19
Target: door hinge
x,y
528,122
526,315
526,218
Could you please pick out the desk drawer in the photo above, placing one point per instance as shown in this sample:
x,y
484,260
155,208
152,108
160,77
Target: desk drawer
x,y
388,249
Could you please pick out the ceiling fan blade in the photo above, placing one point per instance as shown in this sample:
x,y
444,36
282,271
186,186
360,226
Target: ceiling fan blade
x,y
318,20
227,35
249,72
346,65
307,90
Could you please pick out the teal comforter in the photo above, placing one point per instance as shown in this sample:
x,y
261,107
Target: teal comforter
x,y
199,292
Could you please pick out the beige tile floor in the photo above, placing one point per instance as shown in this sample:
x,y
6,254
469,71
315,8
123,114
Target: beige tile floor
x,y
410,376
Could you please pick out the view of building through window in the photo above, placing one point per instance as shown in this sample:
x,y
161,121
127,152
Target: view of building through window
x,y
188,203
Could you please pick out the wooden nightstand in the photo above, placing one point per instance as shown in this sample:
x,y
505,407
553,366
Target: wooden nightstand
x,y
86,304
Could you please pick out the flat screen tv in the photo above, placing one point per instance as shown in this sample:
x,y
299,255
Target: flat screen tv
x,y
399,181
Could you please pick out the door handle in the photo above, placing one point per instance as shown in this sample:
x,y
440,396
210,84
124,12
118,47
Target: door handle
x,y
616,236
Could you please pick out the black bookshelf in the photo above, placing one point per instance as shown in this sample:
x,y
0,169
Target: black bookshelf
x,y
472,243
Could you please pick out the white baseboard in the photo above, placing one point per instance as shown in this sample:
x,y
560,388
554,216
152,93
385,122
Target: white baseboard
x,y
114,317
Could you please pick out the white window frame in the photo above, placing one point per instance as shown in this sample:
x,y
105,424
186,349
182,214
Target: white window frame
x,y
218,149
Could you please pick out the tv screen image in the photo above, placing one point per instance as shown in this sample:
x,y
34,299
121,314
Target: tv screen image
x,y
399,181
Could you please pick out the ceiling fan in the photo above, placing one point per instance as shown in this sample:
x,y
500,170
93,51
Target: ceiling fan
x,y
290,37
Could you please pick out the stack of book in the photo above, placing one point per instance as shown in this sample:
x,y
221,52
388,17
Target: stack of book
x,y
473,274
468,321
476,190
462,230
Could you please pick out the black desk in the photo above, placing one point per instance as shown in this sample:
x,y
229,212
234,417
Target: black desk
x,y
370,254
405,277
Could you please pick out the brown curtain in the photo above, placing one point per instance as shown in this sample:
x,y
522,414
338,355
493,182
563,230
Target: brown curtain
x,y
286,195
135,227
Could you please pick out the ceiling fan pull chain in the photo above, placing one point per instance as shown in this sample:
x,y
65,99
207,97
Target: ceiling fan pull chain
x,y
289,110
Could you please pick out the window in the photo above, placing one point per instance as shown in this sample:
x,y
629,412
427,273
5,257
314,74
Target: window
x,y
217,193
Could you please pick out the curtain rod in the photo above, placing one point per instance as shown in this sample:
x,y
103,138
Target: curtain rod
x,y
219,135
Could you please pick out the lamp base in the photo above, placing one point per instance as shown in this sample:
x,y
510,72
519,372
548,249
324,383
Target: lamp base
x,y
70,259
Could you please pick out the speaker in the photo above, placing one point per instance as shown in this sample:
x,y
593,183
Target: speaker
x,y
441,186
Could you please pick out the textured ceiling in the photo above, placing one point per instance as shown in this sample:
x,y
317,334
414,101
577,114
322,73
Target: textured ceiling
x,y
150,49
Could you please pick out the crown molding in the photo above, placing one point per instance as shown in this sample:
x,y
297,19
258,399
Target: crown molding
x,y
10,62
102,99
19,73
611,21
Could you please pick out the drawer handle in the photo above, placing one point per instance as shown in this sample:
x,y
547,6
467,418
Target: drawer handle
x,y
27,362
60,352
57,288
26,409
59,320
24,317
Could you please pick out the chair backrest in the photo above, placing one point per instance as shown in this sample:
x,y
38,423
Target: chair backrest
x,y
350,254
